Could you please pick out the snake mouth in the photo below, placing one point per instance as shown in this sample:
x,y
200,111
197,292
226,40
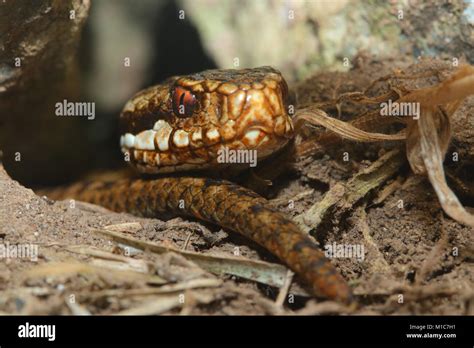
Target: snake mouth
x,y
232,110
164,149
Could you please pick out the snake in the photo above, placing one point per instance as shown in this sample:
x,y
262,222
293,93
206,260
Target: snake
x,y
181,126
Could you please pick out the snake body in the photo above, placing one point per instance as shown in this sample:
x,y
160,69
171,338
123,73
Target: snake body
x,y
181,125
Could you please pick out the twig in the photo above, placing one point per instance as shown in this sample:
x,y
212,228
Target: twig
x,y
284,289
188,238
388,190
344,196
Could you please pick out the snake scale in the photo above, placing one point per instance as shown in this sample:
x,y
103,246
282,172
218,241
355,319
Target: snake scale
x,y
181,125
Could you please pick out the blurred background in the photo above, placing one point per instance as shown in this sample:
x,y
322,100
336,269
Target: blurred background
x,y
105,51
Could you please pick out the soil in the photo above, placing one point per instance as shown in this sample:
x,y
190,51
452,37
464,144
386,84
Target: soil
x,y
416,260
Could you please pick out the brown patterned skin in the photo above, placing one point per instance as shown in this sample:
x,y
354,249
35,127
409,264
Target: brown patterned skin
x,y
216,201
238,109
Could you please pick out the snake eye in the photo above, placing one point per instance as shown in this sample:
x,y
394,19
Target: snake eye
x,y
184,102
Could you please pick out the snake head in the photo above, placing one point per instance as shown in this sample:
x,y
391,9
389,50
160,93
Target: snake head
x,y
186,122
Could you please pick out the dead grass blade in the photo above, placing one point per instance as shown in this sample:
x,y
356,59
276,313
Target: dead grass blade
x,y
125,226
314,116
128,263
259,271
67,269
165,289
154,306
76,308
325,308
433,161
428,139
